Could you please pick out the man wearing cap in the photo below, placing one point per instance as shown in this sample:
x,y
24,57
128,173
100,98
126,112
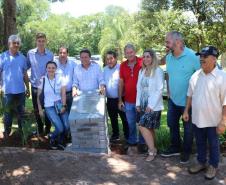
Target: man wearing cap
x,y
207,97
181,63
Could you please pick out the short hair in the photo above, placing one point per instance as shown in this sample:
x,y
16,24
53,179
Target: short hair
x,y
113,53
129,46
63,47
176,35
85,50
51,62
14,38
40,35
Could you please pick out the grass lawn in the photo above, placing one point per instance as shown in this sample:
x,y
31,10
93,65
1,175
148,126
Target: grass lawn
x,y
29,126
162,134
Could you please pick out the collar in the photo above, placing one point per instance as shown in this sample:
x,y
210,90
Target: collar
x,y
17,54
213,72
116,65
184,53
36,51
136,61
91,64
63,64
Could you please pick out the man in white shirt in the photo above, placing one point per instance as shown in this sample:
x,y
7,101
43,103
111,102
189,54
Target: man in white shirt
x,y
207,97
111,78
66,67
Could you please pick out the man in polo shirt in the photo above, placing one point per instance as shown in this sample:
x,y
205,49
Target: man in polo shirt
x,y
13,69
66,68
87,75
181,63
37,59
127,86
207,96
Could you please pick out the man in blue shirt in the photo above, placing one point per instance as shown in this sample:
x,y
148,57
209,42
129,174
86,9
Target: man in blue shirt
x,y
37,59
181,63
111,78
66,67
87,75
13,69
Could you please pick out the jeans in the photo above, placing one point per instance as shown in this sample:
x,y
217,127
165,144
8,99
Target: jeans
x,y
113,111
202,135
11,103
173,117
60,122
34,92
130,109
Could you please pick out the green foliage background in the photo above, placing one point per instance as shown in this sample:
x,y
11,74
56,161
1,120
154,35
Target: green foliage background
x,y
201,21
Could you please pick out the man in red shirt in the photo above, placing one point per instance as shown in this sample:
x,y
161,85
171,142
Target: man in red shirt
x,y
129,71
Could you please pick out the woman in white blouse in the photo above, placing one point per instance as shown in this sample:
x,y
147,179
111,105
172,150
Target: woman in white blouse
x,y
149,103
54,89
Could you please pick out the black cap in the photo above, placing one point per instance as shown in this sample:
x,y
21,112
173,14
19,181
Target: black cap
x,y
209,50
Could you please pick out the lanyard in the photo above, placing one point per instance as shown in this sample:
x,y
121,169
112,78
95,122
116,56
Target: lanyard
x,y
52,86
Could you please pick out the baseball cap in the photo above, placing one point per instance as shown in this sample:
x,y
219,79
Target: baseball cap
x,y
209,50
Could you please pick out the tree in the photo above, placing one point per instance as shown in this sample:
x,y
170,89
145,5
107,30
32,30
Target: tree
x,y
9,19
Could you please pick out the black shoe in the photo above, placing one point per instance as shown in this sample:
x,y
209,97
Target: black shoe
x,y
5,135
60,147
114,138
170,152
184,158
53,145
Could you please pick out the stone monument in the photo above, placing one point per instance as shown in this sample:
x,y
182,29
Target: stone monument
x,y
88,123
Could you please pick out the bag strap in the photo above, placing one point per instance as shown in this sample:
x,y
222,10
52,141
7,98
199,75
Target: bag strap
x,y
43,85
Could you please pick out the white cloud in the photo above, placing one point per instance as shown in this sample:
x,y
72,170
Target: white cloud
x,y
85,7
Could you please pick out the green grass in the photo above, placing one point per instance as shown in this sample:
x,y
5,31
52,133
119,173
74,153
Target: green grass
x,y
162,134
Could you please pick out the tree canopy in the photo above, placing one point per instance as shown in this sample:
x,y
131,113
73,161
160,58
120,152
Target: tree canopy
x,y
202,22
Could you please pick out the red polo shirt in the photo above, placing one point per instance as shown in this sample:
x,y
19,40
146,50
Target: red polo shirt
x,y
130,77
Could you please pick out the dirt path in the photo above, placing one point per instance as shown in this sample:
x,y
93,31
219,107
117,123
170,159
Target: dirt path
x,y
20,166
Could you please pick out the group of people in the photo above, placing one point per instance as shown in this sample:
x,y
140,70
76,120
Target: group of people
x,y
133,90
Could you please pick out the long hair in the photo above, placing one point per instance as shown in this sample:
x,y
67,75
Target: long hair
x,y
150,69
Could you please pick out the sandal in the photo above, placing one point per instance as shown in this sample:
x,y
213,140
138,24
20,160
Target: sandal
x,y
151,155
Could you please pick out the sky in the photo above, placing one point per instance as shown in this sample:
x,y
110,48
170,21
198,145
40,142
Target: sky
x,y
85,7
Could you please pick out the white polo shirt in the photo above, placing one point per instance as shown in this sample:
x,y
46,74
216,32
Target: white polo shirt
x,y
208,92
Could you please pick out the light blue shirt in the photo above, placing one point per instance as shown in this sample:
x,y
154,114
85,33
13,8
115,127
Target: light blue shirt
x,y
37,62
12,70
88,79
67,71
111,79
180,70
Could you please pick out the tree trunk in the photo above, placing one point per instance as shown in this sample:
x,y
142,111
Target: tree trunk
x,y
1,32
9,14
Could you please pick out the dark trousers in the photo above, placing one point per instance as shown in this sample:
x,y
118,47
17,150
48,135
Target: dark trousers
x,y
202,136
173,117
40,124
113,111
13,103
69,100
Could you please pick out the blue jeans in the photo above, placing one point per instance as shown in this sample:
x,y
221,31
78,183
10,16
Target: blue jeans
x,y
202,135
173,117
60,122
130,109
13,103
